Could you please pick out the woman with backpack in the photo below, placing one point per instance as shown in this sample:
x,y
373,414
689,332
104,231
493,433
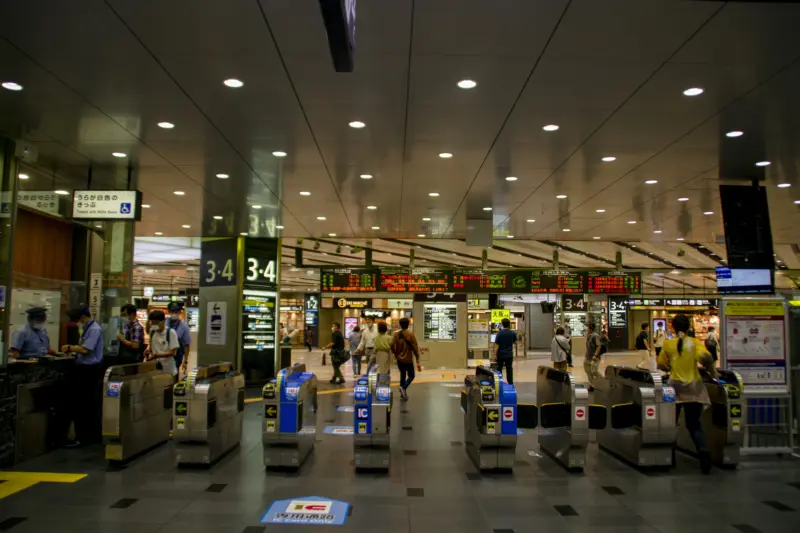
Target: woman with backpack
x,y
405,349
338,354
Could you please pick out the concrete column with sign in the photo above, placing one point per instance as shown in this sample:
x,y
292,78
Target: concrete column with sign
x,y
219,303
8,187
111,289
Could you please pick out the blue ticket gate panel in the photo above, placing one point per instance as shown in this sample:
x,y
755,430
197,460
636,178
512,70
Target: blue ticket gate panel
x,y
372,412
290,407
641,416
724,421
207,414
490,420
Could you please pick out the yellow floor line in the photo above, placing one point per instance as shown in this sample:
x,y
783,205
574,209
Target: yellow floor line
x,y
17,481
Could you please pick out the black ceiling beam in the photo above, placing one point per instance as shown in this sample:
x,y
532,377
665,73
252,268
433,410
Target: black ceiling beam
x,y
649,255
572,250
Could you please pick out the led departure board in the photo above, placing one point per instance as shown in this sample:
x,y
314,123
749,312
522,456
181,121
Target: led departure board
x,y
477,281
416,280
349,280
610,283
557,282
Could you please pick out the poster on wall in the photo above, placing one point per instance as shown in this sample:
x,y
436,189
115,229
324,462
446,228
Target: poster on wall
x,y
478,333
350,323
755,340
216,322
441,321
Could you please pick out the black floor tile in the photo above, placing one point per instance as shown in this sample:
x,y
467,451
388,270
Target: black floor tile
x,y
254,529
795,485
407,428
521,463
566,510
746,528
502,531
8,523
404,410
455,443
614,491
778,506
216,487
409,452
415,493
330,421
473,476
124,503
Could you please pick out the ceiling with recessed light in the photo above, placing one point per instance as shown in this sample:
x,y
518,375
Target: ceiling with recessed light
x,y
456,110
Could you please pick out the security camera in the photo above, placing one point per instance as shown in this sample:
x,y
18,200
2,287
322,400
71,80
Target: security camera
x,y
681,252
316,245
339,249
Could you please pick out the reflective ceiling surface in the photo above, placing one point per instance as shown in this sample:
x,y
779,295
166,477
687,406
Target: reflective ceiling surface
x,y
99,76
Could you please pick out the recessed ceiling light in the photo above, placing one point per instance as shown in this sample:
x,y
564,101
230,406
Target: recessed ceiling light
x,y
530,221
223,176
797,201
631,222
98,225
376,227
467,84
217,217
322,218
278,227
24,177
426,219
233,83
166,125
372,207
599,210
693,91
244,234
561,196
256,206
433,194
509,236
784,185
596,238
278,153
683,199
734,133
566,229
331,235
158,233
357,124
651,182
708,213
550,127
421,235
487,208
445,155
145,206
186,226
609,158
511,178
679,239
366,176
12,86
657,231
305,193
763,163
119,154
62,192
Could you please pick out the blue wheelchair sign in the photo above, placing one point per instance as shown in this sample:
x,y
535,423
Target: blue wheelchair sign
x,y
125,208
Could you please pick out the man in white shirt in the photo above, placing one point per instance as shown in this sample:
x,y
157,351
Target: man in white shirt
x,y
368,333
163,343
659,337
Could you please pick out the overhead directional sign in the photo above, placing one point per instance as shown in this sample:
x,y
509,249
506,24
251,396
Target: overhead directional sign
x,y
107,205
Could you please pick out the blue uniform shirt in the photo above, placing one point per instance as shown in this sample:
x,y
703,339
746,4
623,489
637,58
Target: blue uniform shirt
x,y
30,342
92,340
182,329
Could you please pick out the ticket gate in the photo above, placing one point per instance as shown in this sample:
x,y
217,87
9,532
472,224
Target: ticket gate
x,y
723,423
137,400
207,414
372,420
641,416
565,417
290,401
490,420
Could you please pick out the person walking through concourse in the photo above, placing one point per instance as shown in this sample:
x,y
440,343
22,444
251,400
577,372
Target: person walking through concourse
x,y
504,353
405,349
591,363
559,350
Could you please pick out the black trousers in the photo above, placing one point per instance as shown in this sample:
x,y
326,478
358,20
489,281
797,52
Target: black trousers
x,y
692,413
508,363
87,402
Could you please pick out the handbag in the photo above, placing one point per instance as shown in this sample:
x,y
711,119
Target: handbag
x,y
339,357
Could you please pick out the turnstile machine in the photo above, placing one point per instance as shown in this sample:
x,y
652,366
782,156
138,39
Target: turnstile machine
x,y
490,420
723,422
290,401
207,414
565,417
137,401
372,415
641,411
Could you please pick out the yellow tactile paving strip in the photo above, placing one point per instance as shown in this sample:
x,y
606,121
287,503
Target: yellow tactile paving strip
x,y
14,482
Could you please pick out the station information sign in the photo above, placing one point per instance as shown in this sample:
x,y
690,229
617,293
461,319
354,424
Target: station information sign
x,y
417,280
613,283
557,282
477,281
349,280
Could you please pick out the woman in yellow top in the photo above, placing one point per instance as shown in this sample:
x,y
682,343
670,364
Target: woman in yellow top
x,y
680,357
381,357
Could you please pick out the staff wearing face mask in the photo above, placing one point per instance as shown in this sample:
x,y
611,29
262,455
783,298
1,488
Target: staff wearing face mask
x,y
32,340
87,377
163,343
131,339
184,337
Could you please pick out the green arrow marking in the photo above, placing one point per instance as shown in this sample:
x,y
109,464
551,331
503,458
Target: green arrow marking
x,y
493,415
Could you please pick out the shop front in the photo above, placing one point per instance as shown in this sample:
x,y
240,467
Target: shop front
x,y
703,312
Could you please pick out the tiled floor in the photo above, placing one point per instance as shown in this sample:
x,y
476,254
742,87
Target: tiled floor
x,y
434,489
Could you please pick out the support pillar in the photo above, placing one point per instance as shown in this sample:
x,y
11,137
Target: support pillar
x,y
8,216
111,288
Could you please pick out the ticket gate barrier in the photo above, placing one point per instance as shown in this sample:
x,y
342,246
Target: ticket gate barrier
x,y
641,413
565,417
490,420
290,401
137,401
207,414
723,422
372,417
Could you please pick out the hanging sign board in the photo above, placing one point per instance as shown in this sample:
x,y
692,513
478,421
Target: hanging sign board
x,y
107,205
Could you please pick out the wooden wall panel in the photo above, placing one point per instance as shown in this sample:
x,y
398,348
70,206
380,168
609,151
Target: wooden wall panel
x,y
42,246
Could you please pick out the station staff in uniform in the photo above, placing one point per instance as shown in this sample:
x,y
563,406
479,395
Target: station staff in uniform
x,y
184,337
32,340
87,377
